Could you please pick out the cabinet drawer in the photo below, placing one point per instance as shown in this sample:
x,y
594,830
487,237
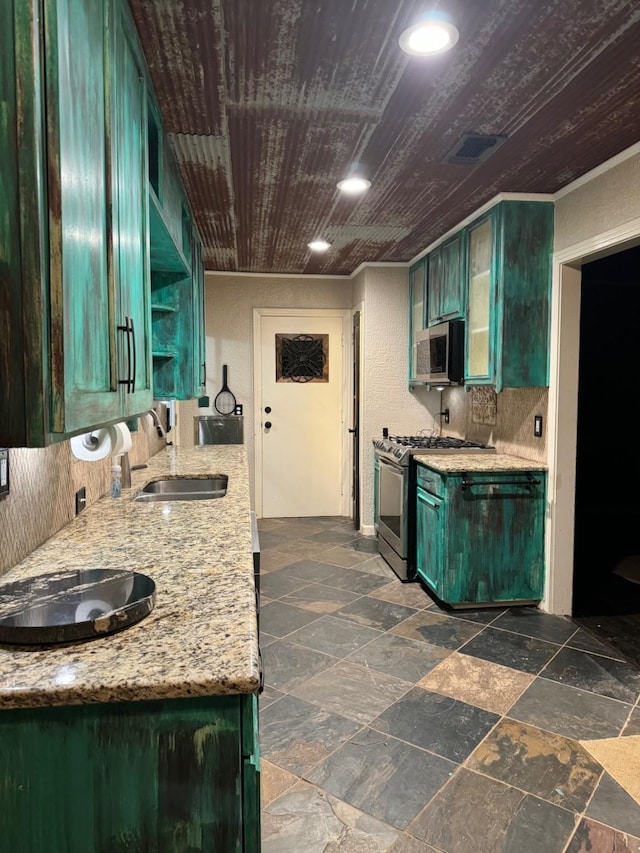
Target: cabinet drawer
x,y
429,480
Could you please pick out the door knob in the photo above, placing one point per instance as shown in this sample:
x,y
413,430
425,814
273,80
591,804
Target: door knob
x,y
267,424
267,409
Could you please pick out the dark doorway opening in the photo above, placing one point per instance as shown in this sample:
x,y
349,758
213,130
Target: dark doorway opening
x,y
606,570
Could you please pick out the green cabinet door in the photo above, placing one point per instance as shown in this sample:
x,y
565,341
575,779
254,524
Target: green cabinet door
x,y
164,777
417,309
130,220
85,390
430,539
446,281
508,292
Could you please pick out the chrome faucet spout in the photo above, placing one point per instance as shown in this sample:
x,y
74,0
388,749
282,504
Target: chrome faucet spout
x,y
158,424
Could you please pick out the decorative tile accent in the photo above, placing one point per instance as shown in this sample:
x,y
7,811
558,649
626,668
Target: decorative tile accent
x,y
484,406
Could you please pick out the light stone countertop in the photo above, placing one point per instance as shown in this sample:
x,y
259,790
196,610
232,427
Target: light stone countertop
x,y
200,639
454,463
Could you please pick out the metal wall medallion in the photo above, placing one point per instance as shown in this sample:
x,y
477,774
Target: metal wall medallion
x,y
302,358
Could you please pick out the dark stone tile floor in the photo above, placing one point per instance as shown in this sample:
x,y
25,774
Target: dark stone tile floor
x,y
360,754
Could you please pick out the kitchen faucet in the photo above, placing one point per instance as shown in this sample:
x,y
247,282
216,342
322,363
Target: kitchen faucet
x,y
158,424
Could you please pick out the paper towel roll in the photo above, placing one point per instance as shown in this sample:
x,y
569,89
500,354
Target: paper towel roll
x,y
122,439
94,445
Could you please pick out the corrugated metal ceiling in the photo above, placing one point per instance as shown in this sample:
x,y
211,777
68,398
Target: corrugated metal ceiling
x,y
269,102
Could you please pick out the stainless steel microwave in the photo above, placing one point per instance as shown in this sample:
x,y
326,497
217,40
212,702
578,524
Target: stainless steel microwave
x,y
440,354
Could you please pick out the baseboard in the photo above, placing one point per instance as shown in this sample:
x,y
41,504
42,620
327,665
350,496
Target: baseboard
x,y
368,530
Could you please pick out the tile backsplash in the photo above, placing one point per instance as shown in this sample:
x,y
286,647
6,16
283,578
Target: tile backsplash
x,y
512,430
43,484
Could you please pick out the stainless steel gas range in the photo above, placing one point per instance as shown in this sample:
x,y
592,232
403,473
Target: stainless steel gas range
x,y
395,491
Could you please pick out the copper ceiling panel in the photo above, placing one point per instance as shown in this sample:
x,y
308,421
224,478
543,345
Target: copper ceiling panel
x,y
268,104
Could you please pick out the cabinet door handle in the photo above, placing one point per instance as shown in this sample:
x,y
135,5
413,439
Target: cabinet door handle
x,y
127,329
133,347
204,374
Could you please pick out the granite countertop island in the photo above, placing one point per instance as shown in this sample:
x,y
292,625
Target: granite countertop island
x,y
201,637
456,463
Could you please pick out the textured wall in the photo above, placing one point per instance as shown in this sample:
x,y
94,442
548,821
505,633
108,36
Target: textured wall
x,y
386,399
44,482
604,203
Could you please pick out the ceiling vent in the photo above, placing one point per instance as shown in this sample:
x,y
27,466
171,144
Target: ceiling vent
x,y
473,148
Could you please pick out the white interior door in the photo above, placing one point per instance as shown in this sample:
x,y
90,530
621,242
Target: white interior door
x,y
301,415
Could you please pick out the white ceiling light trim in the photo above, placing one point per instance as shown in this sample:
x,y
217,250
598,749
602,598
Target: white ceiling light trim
x,y
319,245
432,35
353,185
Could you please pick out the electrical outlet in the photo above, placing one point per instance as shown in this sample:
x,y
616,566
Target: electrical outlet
x,y
537,426
81,500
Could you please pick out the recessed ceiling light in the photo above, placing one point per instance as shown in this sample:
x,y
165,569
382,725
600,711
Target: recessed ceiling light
x,y
353,185
434,34
319,245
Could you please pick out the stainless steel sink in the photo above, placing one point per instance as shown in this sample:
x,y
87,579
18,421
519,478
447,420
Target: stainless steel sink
x,y
184,489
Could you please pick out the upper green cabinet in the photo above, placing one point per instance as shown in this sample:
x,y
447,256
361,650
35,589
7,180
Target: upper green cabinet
x,y
509,283
417,310
78,277
446,287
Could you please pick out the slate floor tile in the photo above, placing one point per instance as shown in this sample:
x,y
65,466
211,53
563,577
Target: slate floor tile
x,y
477,682
338,637
549,766
570,712
276,584
485,616
602,675
272,560
438,723
364,544
375,613
280,619
406,659
475,813
632,726
353,580
612,805
274,781
586,642
382,776
320,598
534,623
297,735
307,820
266,639
268,696
437,629
515,650
352,691
408,844
339,537
409,594
592,837
311,571
287,664
304,548
342,557
377,566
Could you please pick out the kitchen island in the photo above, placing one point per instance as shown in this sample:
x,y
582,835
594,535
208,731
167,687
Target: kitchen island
x,y
144,739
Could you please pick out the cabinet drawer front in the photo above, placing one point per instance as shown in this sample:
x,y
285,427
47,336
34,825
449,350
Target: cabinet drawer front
x,y
429,480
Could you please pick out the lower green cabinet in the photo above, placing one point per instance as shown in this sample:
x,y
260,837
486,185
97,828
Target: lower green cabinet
x,y
171,776
480,536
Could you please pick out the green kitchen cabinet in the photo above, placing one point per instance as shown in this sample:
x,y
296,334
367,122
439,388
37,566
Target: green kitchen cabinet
x,y
417,310
480,535
508,295
177,277
77,275
446,288
170,776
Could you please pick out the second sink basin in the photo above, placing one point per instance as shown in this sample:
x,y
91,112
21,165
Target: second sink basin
x,y
184,489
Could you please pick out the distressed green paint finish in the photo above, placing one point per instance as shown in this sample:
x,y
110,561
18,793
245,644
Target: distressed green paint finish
x,y
24,319
83,353
519,297
159,777
483,544
166,255
523,275
130,211
446,289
